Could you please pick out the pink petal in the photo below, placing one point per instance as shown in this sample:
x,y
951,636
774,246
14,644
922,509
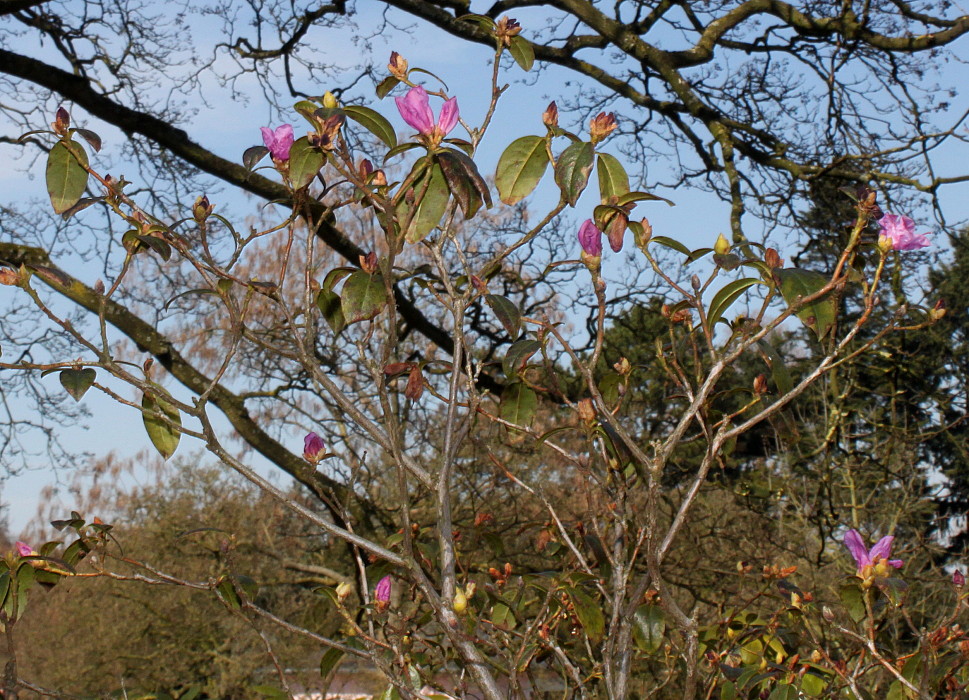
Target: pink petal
x,y
590,238
284,141
449,116
382,590
268,137
856,546
24,549
882,548
415,110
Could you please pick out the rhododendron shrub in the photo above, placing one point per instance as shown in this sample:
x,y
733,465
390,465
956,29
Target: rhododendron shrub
x,y
437,589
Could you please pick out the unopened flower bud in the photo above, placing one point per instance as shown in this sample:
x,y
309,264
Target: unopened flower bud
x,y
506,28
314,449
415,384
381,593
958,579
99,287
8,276
816,656
397,66
368,262
329,100
760,385
885,244
550,117
587,412
62,121
938,310
722,246
622,367
601,126
343,591
365,168
460,603
379,178
469,589
202,209
772,258
827,613
696,283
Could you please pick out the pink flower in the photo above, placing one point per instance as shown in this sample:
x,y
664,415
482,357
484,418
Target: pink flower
x,y
279,141
590,238
900,230
874,559
313,448
381,594
415,109
24,550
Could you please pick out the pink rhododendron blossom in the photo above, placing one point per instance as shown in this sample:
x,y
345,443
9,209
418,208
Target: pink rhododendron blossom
x,y
900,230
313,448
25,550
381,593
279,141
415,109
868,560
590,238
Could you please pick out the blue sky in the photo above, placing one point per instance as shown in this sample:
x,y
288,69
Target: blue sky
x,y
697,218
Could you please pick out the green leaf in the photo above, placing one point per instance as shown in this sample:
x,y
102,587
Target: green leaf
x,y
482,21
252,155
227,592
401,148
331,307
363,296
374,122
853,599
331,657
784,691
517,354
819,315
518,404
92,138
727,296
671,243
77,381
523,53
507,313
502,617
66,174
271,692
813,684
465,182
631,197
4,586
386,85
782,378
427,212
163,436
649,627
589,613
520,168
572,170
305,162
728,691
613,180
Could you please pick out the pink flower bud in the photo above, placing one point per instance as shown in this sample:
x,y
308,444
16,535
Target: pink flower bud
x,y
24,550
313,448
590,238
958,579
381,593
